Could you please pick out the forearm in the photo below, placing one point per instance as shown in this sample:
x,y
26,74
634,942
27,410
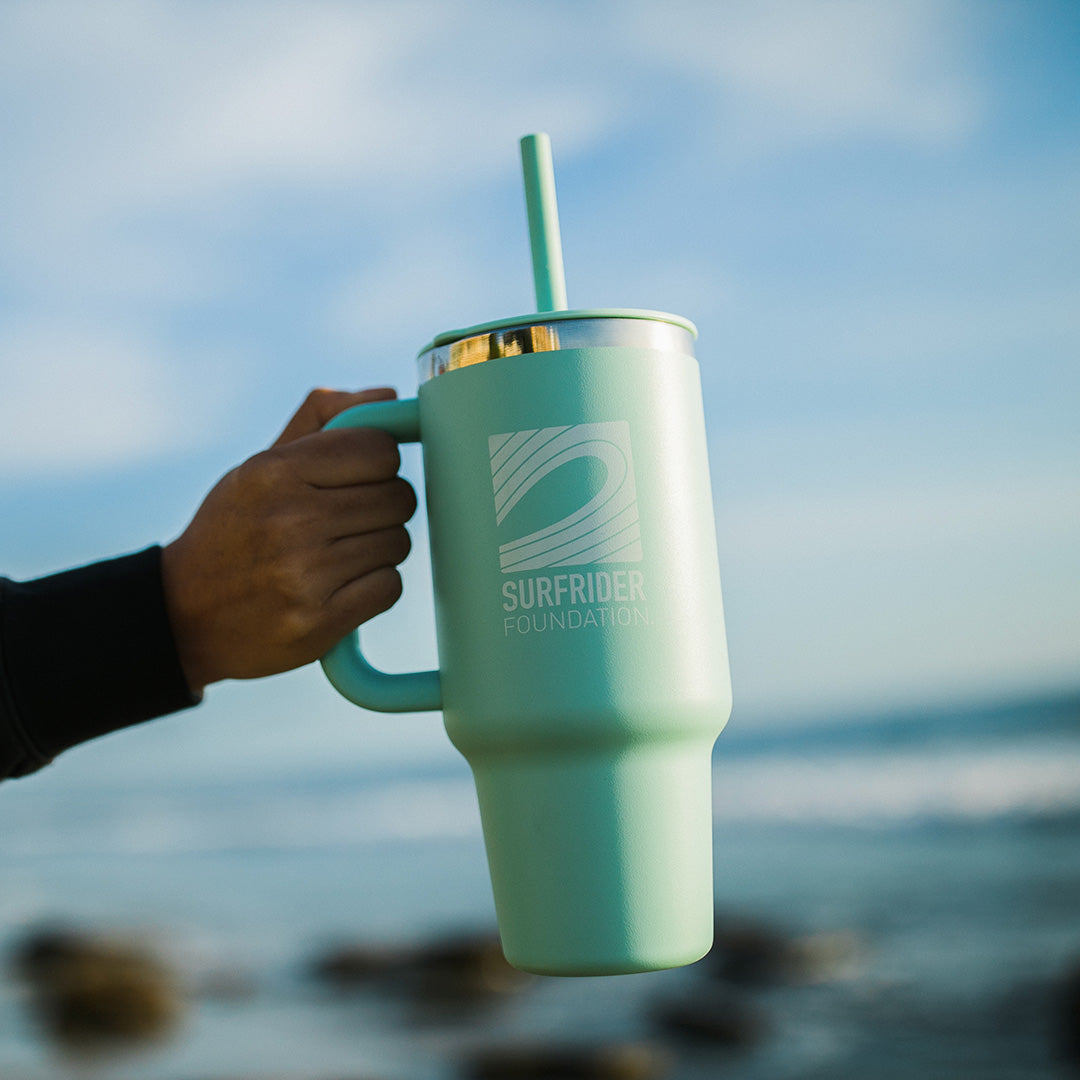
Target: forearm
x,y
288,553
83,653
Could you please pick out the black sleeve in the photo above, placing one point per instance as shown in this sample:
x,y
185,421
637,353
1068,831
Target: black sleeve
x,y
83,653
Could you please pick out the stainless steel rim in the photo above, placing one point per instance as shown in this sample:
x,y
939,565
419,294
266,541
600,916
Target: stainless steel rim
x,y
539,337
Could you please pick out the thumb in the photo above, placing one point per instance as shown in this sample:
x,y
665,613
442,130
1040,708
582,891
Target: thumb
x,y
321,406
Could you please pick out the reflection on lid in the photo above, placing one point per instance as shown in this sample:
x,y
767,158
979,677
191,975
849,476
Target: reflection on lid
x,y
616,331
515,342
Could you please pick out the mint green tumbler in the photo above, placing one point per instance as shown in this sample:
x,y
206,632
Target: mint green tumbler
x,y
582,659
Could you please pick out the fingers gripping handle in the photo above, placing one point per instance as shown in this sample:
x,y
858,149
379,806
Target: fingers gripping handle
x,y
345,666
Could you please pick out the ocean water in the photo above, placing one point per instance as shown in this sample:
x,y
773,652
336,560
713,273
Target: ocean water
x,y
944,845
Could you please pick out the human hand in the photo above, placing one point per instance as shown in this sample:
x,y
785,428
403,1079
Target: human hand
x,y
292,549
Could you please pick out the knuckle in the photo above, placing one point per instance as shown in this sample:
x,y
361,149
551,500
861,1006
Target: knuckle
x,y
379,450
404,499
385,587
395,545
297,624
377,591
317,398
265,473
291,582
319,406
404,544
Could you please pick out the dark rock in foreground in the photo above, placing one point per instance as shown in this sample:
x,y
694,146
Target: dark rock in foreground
x,y
473,965
347,966
465,968
752,953
88,992
712,1016
619,1061
1068,1015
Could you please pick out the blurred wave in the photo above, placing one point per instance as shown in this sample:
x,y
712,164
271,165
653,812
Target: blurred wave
x,y
903,786
968,766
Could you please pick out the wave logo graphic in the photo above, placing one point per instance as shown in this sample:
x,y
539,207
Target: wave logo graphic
x,y
605,528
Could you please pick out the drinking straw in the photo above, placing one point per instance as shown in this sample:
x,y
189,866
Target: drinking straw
x,y
543,223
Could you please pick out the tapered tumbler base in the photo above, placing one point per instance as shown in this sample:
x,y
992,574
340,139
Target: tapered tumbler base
x,y
601,860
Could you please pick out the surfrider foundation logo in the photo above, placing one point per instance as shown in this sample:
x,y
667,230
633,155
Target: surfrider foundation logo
x,y
603,529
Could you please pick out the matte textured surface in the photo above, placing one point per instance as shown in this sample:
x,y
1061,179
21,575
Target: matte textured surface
x,y
584,683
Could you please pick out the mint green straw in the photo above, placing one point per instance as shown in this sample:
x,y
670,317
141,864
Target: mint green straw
x,y
543,223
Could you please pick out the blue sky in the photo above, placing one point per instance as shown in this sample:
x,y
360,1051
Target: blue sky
x,y
870,210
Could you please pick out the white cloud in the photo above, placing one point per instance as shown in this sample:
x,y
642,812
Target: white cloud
x,y
175,104
78,398
147,144
792,72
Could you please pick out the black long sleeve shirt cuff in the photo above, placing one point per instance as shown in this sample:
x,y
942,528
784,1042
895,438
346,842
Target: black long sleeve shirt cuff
x,y
83,653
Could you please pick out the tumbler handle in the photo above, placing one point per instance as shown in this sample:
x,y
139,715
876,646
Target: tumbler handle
x,y
345,665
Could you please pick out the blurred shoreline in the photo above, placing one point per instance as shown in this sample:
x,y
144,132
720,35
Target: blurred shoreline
x,y
934,860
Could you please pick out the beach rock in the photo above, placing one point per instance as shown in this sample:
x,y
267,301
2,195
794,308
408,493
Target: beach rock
x,y
471,966
749,952
752,953
1067,1020
826,956
344,967
615,1061
712,1016
461,969
89,992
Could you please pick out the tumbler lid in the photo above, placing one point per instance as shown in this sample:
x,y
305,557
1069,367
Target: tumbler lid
x,y
551,330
